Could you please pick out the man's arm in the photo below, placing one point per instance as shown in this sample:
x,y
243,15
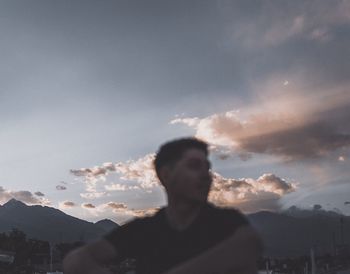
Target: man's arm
x,y
90,259
238,254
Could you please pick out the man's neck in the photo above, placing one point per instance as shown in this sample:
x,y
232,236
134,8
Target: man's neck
x,y
181,215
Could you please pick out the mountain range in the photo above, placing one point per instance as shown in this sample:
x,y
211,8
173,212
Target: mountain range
x,y
289,233
49,224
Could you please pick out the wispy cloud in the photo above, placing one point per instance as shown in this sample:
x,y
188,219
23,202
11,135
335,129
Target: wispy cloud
x,y
123,209
120,187
40,194
140,171
22,195
143,212
246,193
93,195
318,127
274,24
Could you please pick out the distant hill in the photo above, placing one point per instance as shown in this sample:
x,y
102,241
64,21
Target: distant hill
x,y
286,235
107,225
47,223
291,233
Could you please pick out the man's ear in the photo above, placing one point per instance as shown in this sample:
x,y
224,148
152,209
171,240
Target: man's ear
x,y
164,175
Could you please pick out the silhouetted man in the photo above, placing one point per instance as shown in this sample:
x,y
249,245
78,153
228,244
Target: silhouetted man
x,y
189,235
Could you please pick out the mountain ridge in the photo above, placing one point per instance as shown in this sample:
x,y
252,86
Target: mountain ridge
x,y
47,223
282,234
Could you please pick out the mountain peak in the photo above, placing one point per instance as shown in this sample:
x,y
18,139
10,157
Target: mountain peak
x,y
14,203
107,224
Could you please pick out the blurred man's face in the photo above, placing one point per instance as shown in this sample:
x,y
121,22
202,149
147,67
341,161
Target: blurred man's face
x,y
190,178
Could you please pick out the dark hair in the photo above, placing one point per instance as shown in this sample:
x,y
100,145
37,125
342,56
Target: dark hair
x,y
172,151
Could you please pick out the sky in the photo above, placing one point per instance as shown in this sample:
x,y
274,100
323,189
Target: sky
x,y
90,89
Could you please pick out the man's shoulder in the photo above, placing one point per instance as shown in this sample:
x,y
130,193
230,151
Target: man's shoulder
x,y
146,220
225,214
211,208
134,231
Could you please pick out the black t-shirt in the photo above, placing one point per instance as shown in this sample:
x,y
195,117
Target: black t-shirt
x,y
157,247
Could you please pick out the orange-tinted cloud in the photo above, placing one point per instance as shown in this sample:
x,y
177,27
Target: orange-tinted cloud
x,y
293,127
88,205
116,206
143,212
250,194
67,204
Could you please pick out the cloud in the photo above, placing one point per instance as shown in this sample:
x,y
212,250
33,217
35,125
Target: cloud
x,y
66,204
117,210
272,24
248,194
273,127
347,203
119,187
88,206
92,175
22,195
40,194
121,208
140,213
93,195
60,187
116,206
140,170
341,158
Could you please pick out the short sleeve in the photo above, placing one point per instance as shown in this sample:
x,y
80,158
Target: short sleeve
x,y
126,239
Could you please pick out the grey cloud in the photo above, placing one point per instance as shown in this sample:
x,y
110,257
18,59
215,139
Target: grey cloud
x,y
271,24
347,203
88,205
60,187
95,171
68,204
22,195
308,141
40,194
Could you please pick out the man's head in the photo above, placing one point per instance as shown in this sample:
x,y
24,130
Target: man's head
x,y
183,169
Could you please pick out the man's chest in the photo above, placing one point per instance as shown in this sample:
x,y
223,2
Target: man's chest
x,y
166,248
